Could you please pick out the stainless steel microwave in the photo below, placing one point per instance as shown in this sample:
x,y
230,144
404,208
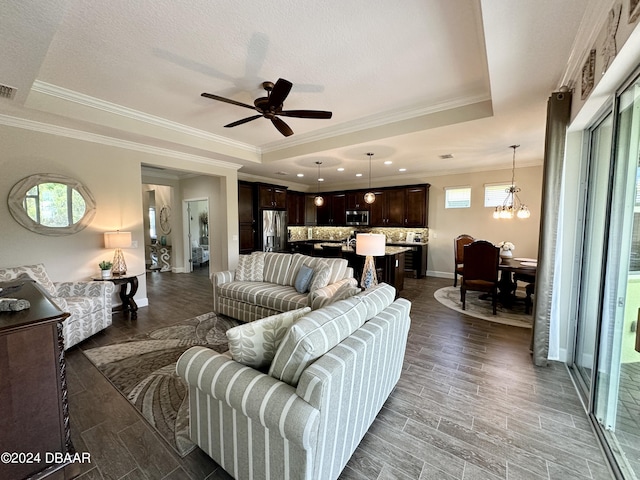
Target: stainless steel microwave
x,y
357,217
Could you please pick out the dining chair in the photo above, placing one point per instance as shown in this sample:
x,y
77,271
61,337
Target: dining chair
x,y
458,250
480,270
529,289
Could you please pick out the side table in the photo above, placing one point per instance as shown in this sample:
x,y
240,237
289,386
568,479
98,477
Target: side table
x,y
127,282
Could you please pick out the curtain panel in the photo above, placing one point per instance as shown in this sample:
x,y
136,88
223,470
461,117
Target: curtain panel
x,y
558,115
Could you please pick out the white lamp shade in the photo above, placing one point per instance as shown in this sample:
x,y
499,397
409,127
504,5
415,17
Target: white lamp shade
x,y
117,239
370,244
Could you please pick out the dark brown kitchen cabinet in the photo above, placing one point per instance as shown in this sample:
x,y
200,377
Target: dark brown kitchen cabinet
x,y
355,200
388,210
34,413
272,196
247,217
416,211
310,211
332,212
400,207
295,209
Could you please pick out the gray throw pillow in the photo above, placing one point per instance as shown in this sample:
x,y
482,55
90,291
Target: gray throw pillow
x,y
321,275
303,279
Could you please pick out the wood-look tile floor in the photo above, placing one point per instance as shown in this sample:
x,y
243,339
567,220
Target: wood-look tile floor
x,y
469,405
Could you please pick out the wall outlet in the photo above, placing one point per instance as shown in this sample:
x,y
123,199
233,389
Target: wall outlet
x,y
134,244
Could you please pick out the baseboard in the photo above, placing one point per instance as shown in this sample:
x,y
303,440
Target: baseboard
x,y
142,302
433,273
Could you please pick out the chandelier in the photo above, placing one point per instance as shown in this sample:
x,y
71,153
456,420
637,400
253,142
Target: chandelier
x,y
318,200
370,197
512,206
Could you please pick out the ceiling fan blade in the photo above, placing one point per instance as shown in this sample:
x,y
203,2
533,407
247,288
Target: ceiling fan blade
x,y
227,100
240,122
282,127
306,113
280,91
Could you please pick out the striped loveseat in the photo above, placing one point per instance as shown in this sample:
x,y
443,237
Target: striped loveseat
x,y
263,284
304,418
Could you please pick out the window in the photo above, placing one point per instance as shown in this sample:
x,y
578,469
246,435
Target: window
x,y
457,197
495,194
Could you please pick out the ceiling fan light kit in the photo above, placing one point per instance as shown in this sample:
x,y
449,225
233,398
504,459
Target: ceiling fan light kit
x,y
512,206
270,107
369,197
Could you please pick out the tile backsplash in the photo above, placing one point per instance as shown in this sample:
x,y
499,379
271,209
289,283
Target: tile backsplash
x,y
341,233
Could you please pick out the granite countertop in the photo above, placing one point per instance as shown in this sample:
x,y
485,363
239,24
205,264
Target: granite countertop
x,y
389,249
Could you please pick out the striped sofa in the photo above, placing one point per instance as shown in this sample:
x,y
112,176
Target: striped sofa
x,y
272,290
331,375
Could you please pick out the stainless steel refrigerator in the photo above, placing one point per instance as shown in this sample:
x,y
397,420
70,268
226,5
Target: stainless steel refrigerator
x,y
274,230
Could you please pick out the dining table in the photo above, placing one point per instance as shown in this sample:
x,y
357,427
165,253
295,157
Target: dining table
x,y
510,269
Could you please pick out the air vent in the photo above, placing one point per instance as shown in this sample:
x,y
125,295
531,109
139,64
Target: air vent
x,y
446,156
7,92
284,174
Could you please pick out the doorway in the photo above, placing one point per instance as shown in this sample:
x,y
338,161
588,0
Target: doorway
x,y
197,233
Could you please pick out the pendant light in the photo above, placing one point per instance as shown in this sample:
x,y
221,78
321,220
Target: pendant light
x,y
512,206
318,200
370,197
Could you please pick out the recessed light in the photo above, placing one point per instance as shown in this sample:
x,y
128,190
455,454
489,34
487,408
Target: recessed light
x,y
341,169
321,179
388,162
300,175
358,174
402,169
446,156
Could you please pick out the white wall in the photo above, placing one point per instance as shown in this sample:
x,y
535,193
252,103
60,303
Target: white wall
x,y
446,224
113,175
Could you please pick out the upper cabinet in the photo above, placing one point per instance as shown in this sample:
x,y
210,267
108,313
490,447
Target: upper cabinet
x,y
295,209
417,206
272,196
355,200
400,207
333,211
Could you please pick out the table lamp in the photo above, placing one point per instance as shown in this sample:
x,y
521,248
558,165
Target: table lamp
x,y
369,245
118,240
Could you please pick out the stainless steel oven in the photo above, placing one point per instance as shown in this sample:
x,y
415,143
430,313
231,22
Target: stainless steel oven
x,y
357,217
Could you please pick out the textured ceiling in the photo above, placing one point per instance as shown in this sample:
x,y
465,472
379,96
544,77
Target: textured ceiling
x,y
408,81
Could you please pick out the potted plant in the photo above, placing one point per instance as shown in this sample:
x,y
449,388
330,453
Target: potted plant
x,y
105,267
506,248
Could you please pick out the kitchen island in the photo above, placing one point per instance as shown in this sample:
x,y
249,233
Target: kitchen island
x,y
389,268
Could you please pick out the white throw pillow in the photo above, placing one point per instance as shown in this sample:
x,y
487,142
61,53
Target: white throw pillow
x,y
250,268
255,344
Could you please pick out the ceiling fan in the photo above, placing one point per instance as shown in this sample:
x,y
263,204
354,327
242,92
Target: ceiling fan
x,y
271,106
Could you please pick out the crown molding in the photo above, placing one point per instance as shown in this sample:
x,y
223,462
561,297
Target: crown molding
x,y
92,102
374,121
50,129
590,26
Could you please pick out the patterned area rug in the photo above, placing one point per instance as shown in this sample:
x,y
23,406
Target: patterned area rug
x,y
515,316
143,370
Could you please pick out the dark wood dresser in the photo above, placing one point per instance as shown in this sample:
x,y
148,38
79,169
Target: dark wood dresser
x,y
34,415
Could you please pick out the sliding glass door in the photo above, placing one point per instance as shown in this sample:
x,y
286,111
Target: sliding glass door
x,y
596,214
616,395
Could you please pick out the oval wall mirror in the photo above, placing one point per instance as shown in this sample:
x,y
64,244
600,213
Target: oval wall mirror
x,y
51,204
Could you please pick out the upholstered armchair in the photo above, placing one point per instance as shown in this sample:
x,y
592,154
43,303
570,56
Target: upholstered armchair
x,y
89,303
199,254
